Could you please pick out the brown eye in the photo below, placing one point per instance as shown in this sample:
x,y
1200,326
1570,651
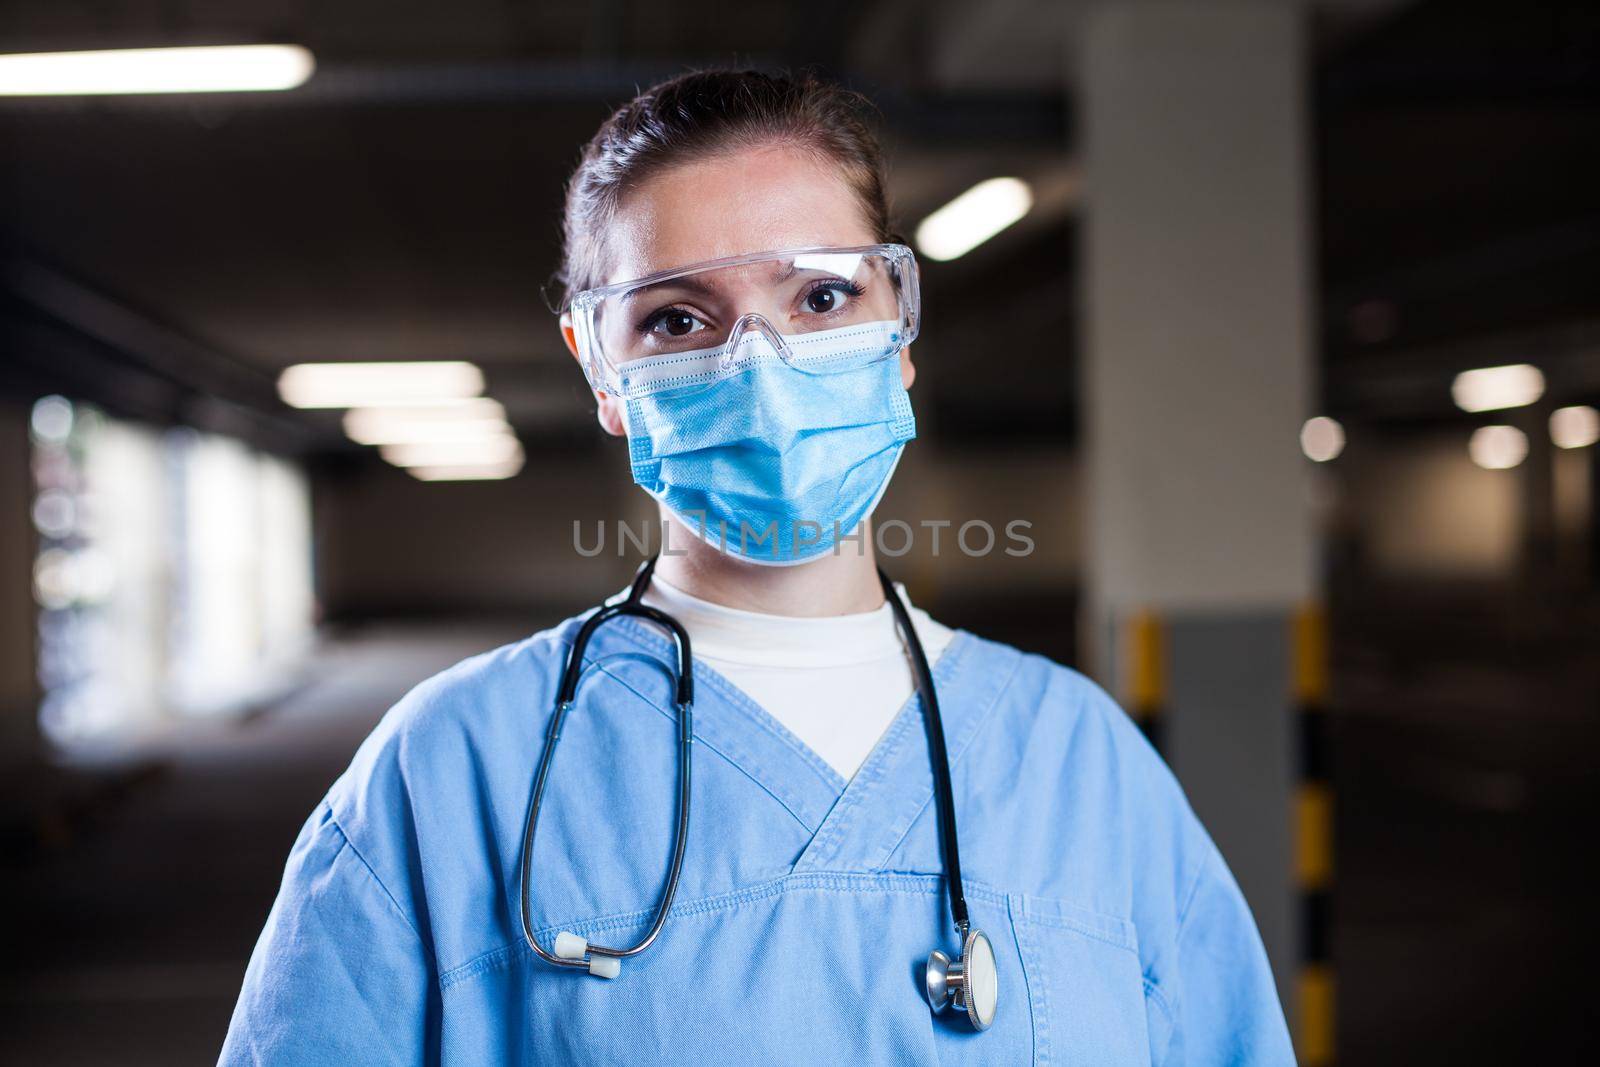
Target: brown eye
x,y
822,300
671,322
831,297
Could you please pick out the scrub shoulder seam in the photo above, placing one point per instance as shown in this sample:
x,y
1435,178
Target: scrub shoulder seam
x,y
1207,858
344,836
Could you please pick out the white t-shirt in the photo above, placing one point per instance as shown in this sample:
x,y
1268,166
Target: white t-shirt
x,y
835,683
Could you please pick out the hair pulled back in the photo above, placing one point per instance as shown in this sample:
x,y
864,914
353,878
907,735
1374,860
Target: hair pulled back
x,y
703,113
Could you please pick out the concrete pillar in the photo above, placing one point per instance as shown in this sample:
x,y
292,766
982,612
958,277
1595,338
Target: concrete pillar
x,y
1198,373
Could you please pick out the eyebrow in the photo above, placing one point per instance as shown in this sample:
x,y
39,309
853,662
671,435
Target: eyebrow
x,y
692,284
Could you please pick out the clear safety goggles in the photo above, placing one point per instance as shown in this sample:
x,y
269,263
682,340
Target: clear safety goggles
x,y
820,310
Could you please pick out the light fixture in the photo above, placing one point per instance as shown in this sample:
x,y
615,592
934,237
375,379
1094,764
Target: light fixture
x,y
1494,388
212,69
488,472
1498,448
486,452
973,217
439,433
462,420
1322,439
51,419
355,385
1575,427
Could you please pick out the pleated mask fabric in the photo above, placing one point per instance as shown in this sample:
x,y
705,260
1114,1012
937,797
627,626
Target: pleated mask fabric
x,y
772,460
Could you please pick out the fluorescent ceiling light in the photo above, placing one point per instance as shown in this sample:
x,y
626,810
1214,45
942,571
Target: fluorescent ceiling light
x,y
486,452
1494,388
1575,427
469,420
52,419
1498,448
357,385
472,407
483,473
973,217
433,432
224,69
1322,439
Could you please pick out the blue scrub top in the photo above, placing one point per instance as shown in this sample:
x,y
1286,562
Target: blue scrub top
x,y
807,905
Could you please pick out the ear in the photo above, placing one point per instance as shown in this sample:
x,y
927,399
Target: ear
x,y
567,335
908,369
608,409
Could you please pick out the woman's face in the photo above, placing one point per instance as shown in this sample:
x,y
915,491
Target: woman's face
x,y
749,200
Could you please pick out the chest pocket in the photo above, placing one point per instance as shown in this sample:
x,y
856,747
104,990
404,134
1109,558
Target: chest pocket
x,y
821,966
1085,986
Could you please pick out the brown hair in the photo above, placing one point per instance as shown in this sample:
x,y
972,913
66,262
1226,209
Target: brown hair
x,y
705,112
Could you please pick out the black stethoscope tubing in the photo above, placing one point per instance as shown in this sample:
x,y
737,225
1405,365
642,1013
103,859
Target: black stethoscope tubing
x,y
567,694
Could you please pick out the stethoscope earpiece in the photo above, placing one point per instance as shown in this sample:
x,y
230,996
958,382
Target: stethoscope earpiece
x,y
970,982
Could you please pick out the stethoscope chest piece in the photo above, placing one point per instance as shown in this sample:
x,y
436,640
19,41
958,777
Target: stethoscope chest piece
x,y
970,983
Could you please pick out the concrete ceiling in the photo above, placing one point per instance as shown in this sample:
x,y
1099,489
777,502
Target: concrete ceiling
x,y
404,204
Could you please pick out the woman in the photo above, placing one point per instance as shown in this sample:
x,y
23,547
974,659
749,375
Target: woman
x,y
764,398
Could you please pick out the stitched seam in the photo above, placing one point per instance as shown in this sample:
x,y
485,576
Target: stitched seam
x,y
333,820
700,739
972,732
652,642
1030,982
772,727
947,667
827,845
1152,989
1062,922
1036,978
1153,983
732,693
493,960
751,360
808,881
739,366
1193,891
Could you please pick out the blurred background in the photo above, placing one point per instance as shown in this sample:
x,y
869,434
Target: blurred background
x,y
1278,322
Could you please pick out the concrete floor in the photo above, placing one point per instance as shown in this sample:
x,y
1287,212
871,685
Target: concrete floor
x,y
1462,929
132,940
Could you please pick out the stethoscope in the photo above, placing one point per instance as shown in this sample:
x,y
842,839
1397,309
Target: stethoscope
x,y
969,983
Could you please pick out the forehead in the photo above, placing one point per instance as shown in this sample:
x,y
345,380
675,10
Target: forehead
x,y
732,203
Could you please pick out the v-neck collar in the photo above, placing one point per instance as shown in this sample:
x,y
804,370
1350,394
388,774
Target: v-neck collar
x,y
746,735
850,826
896,782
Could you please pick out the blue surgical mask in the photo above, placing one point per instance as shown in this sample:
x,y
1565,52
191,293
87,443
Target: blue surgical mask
x,y
772,457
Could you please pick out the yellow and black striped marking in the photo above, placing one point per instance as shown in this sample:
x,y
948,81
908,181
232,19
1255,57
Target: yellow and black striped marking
x,y
1147,676
1313,840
